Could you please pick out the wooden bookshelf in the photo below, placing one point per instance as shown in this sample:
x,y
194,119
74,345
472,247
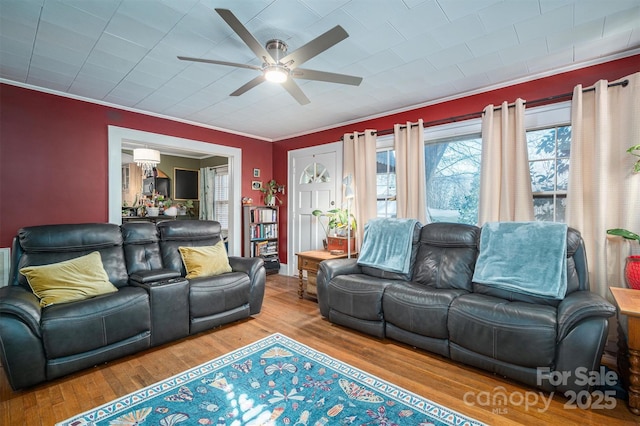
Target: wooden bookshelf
x,y
260,231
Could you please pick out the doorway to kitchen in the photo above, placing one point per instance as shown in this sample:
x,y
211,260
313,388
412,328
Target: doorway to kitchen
x,y
120,137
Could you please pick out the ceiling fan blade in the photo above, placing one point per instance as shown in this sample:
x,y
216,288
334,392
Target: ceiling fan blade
x,y
314,47
295,91
248,86
212,61
330,77
245,35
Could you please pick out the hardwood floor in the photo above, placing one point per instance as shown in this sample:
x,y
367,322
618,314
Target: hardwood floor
x,y
436,378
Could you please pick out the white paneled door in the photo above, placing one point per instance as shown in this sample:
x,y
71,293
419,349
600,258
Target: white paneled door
x,y
315,178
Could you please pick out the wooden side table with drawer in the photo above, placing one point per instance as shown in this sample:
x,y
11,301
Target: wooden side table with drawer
x,y
628,301
309,261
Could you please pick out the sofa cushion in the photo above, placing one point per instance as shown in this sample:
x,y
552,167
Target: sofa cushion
x,y
46,244
418,308
358,296
69,280
205,261
213,295
513,332
83,326
141,247
174,234
447,255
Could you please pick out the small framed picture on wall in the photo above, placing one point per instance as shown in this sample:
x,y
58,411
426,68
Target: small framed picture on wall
x,y
256,173
256,185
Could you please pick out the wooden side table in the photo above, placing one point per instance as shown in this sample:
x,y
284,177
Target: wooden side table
x,y
309,261
628,301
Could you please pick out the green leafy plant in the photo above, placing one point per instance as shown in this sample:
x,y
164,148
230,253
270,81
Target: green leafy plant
x,y
620,232
635,150
187,206
339,219
628,235
270,191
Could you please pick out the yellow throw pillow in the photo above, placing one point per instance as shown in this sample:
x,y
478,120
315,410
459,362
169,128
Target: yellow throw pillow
x,y
70,280
205,261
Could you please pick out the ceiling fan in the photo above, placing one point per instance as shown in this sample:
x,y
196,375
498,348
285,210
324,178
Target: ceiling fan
x,y
277,65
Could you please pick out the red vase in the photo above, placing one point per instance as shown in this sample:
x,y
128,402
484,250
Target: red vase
x,y
632,272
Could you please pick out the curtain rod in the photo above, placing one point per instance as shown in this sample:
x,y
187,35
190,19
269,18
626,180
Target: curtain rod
x,y
550,99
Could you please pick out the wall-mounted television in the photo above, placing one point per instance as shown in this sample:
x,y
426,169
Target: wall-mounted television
x,y
186,184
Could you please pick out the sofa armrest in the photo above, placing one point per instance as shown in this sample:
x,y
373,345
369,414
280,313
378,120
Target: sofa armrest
x,y
578,306
329,269
154,275
22,304
254,268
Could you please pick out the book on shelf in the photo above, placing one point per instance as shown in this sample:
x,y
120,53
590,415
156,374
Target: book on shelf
x,y
262,230
264,215
264,248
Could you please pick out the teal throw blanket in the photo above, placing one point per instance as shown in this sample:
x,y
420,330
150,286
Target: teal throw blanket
x,y
524,257
387,244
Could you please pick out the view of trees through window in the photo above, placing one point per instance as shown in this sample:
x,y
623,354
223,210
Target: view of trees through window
x,y
386,183
549,167
452,169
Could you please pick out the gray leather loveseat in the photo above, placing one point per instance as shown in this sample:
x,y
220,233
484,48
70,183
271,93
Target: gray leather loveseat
x,y
441,310
153,303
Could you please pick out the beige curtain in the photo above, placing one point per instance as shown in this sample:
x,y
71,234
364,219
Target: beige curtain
x,y
410,176
603,192
505,182
359,161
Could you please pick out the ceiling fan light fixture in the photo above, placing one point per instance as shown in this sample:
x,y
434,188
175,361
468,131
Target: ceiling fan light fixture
x,y
276,73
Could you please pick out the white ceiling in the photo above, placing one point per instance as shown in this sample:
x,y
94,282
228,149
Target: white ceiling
x,y
409,52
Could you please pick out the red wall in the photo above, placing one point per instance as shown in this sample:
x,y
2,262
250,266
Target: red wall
x,y
53,157
53,150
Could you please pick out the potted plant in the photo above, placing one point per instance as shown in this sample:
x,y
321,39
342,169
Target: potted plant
x,y
270,191
339,222
632,266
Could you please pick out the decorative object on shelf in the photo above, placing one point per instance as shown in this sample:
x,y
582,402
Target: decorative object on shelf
x,y
185,208
171,211
147,159
157,205
270,191
153,211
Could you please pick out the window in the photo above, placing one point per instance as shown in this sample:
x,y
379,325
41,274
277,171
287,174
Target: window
x,y
315,173
221,197
386,182
452,168
549,150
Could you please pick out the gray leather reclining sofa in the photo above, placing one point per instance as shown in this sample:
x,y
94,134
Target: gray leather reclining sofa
x,y
154,303
440,309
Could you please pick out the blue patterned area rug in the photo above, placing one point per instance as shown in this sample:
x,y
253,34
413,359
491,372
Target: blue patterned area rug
x,y
275,381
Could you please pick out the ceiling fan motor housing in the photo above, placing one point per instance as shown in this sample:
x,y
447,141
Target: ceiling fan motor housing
x,y
277,49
